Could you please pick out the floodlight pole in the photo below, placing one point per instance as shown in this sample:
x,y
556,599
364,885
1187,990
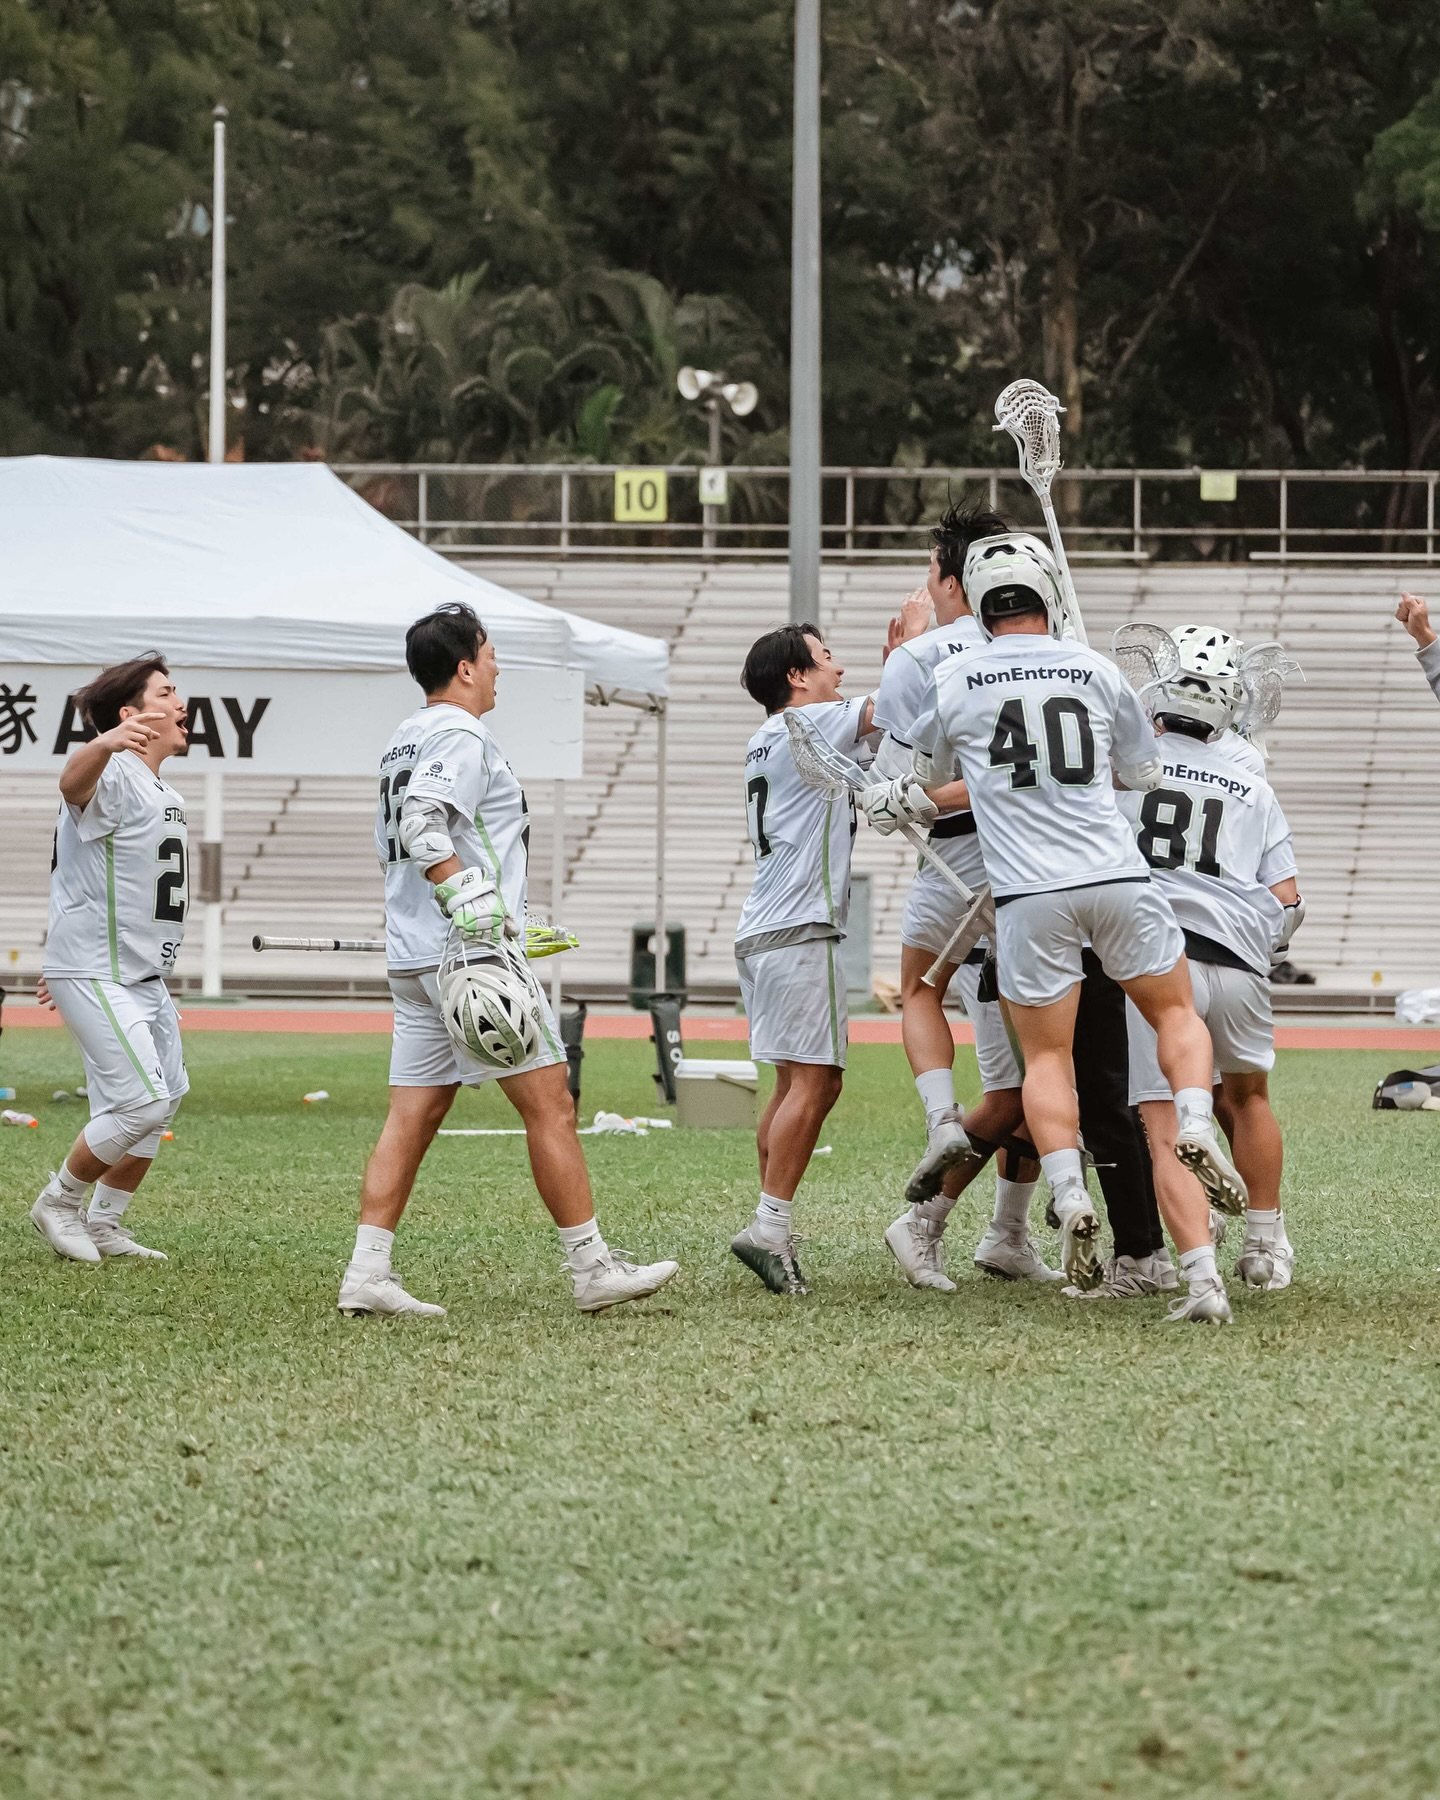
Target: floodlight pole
x,y
805,321
212,958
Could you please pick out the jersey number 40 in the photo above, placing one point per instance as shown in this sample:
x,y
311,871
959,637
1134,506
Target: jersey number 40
x,y
1065,742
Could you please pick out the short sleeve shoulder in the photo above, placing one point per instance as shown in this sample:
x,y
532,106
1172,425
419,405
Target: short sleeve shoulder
x,y
838,722
453,769
1278,861
900,697
105,810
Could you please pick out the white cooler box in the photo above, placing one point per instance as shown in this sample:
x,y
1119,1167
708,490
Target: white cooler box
x,y
724,1094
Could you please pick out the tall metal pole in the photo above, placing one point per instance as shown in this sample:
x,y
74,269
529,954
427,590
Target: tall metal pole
x,y
712,513
216,448
805,321
212,966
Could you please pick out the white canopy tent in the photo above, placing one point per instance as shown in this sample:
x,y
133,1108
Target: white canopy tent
x,y
278,577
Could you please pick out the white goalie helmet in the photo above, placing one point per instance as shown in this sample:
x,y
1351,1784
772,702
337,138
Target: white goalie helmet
x,y
1007,574
1208,688
492,1006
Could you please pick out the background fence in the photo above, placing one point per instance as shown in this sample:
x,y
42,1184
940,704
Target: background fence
x,y
567,510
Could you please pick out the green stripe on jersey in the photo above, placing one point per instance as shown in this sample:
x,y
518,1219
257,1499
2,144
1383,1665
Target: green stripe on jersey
x,y
111,925
834,1011
825,859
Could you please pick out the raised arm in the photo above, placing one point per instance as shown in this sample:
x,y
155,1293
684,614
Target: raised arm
x,y
84,766
1414,614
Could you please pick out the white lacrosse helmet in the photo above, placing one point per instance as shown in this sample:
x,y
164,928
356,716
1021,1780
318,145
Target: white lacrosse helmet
x,y
1208,688
1007,574
491,1006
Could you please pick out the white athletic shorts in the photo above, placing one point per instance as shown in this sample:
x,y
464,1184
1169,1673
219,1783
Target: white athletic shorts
x,y
932,907
1039,938
1235,1005
993,1050
423,1053
794,998
129,1038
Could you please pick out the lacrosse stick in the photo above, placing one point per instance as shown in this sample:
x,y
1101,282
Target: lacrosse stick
x,y
1030,413
819,765
1146,656
541,939
1264,670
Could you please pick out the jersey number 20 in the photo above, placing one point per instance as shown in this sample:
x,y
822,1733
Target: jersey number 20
x,y
170,882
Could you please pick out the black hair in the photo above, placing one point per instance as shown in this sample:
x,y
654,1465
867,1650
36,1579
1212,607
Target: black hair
x,y
959,528
766,675
436,645
123,685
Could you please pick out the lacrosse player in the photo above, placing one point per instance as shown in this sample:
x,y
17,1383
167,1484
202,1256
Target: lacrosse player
x,y
1414,615
1033,725
1220,851
958,1145
452,834
117,916
791,926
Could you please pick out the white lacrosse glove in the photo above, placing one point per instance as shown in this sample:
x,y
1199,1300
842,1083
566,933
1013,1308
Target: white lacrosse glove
x,y
1294,918
472,903
890,804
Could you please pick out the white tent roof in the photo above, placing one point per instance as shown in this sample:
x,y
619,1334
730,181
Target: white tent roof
x,y
262,565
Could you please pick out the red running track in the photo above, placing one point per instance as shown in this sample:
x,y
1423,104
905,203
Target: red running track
x,y
376,1023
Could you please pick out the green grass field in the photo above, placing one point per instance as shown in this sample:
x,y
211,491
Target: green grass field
x,y
875,1542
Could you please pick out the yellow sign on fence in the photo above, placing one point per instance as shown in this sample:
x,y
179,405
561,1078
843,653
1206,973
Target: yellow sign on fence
x,y
640,497
1218,484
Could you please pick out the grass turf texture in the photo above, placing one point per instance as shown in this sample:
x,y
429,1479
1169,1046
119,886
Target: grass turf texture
x,y
873,1542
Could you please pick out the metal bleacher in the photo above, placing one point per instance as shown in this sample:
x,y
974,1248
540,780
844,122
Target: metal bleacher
x,y
1353,758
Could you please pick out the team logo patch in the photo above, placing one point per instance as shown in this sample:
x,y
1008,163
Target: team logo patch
x,y
436,769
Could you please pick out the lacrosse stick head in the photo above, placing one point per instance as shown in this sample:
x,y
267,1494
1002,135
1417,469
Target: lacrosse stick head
x,y
818,763
1146,656
1031,414
1264,670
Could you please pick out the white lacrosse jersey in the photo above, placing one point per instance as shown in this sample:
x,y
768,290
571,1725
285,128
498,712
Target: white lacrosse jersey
x,y
1033,724
1216,842
801,836
1240,750
906,691
118,890
444,753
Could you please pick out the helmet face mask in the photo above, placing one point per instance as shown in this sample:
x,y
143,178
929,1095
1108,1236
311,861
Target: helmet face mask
x,y
1208,690
491,1006
1012,574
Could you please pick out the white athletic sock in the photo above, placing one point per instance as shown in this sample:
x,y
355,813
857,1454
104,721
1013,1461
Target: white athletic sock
x,y
71,1184
1063,1169
108,1202
936,1088
772,1220
582,1244
1266,1225
933,1215
1012,1206
1194,1102
1199,1265
373,1245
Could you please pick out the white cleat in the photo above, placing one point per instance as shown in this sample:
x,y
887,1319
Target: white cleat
x,y
1218,1226
1198,1148
1205,1304
612,1279
1267,1263
111,1238
1079,1238
381,1296
60,1220
1130,1278
948,1146
920,1253
1013,1257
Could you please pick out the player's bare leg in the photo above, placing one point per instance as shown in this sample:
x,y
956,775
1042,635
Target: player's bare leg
x,y
930,1048
1186,1059
1267,1258
1186,1211
1052,1112
789,1131
370,1285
